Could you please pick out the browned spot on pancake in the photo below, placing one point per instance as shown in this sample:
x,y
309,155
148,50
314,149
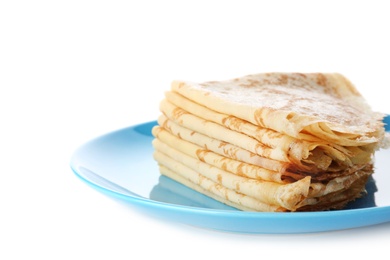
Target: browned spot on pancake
x,y
219,178
283,80
165,124
271,133
289,116
230,152
178,112
232,122
301,75
266,82
222,144
276,91
201,179
250,83
262,150
226,194
238,186
258,117
207,84
240,171
225,119
224,166
200,153
321,79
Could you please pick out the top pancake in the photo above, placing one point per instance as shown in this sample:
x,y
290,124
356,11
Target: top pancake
x,y
326,106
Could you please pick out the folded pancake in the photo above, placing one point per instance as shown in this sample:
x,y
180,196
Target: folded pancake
x,y
237,182
310,157
285,197
269,142
237,200
218,192
213,130
228,164
297,149
220,147
319,105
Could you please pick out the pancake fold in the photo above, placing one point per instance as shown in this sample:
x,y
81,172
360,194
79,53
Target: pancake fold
x,y
271,142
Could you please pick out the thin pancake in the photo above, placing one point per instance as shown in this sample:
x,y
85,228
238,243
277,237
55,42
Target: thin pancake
x,y
212,191
219,147
334,199
234,166
323,105
266,191
271,193
269,142
304,156
215,190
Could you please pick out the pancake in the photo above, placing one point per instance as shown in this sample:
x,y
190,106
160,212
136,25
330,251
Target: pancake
x,y
220,147
269,142
323,105
228,164
276,146
218,192
286,195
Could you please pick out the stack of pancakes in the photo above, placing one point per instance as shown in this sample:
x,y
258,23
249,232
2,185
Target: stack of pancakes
x,y
269,142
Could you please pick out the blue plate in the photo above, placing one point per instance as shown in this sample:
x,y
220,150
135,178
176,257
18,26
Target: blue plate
x,y
120,164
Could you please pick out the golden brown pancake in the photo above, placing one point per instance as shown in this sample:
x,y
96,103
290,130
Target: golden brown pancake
x,y
269,142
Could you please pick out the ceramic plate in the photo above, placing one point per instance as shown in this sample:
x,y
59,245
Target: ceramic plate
x,y
120,164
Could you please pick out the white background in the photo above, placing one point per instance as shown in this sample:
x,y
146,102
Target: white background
x,y
71,71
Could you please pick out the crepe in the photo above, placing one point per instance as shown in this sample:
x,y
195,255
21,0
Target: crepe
x,y
228,164
306,156
260,196
269,142
218,192
288,196
225,149
300,105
